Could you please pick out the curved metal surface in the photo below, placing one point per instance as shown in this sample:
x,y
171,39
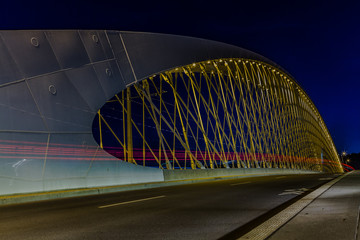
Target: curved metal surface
x,y
53,82
86,72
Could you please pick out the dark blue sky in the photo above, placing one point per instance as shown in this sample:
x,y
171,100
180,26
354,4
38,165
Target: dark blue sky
x,y
315,41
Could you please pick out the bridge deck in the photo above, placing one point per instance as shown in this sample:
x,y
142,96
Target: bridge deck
x,y
333,215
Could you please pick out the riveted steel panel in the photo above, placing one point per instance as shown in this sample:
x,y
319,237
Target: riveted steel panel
x,y
60,103
22,154
86,83
31,51
151,53
18,96
17,120
69,155
110,78
22,157
18,109
105,44
68,48
121,57
9,72
93,45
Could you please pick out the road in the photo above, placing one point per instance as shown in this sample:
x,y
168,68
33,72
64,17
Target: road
x,y
222,209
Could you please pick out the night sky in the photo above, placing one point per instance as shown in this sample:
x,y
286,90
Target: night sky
x,y
317,42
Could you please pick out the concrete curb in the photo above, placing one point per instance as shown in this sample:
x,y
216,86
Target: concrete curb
x,y
267,228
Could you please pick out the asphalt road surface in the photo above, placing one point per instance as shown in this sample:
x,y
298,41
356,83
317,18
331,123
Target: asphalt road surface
x,y
222,209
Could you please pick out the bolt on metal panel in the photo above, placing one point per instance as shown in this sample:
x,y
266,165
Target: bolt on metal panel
x,y
93,45
60,103
109,77
31,51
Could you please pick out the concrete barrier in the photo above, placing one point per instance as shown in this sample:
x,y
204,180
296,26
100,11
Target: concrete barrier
x,y
171,175
169,178
65,175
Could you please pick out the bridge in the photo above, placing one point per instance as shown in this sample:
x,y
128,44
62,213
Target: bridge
x,y
89,112
96,108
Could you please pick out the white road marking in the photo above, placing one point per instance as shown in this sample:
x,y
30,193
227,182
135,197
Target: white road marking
x,y
133,201
264,230
294,191
280,177
323,179
241,183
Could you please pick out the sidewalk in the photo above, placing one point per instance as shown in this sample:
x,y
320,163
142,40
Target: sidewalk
x,y
334,215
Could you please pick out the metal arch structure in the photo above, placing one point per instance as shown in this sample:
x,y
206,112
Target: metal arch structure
x,y
222,113
55,85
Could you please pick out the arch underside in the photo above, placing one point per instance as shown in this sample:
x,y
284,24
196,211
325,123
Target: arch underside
x,y
222,113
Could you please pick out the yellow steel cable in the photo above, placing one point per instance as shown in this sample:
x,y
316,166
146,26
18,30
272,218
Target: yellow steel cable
x,y
100,132
112,131
235,112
